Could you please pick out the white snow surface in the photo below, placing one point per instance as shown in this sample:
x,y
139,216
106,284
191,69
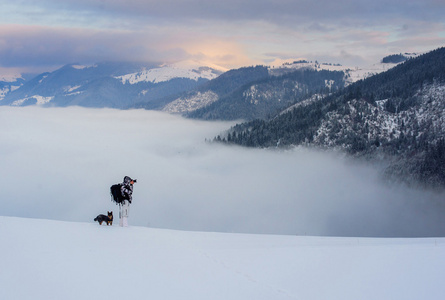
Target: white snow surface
x,y
45,259
430,110
3,92
191,103
9,76
58,163
186,69
353,73
40,100
79,67
359,73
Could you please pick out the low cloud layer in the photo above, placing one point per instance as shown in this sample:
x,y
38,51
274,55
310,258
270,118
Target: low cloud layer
x,y
59,163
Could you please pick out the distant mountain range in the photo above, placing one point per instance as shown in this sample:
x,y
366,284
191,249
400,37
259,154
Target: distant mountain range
x,y
254,93
116,85
262,91
395,117
392,112
190,88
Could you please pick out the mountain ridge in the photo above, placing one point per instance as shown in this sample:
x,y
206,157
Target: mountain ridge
x,y
206,102
104,85
175,88
398,115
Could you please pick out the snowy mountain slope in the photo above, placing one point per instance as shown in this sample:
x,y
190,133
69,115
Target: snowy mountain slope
x,y
189,69
265,95
261,93
6,88
150,86
395,118
14,77
352,74
191,103
9,84
215,89
61,260
105,85
427,116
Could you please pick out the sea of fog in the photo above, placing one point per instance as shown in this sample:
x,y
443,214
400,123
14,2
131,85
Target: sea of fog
x,y
58,163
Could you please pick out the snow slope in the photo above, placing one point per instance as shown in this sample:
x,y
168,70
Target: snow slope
x,y
353,74
185,69
45,259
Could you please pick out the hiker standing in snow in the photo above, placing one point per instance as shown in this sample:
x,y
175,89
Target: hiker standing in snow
x,y
127,192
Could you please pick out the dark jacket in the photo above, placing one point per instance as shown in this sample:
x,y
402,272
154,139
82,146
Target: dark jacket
x,y
127,188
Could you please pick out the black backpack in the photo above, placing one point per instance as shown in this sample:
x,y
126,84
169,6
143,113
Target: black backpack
x,y
116,195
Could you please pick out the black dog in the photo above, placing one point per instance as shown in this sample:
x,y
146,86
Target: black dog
x,y
104,218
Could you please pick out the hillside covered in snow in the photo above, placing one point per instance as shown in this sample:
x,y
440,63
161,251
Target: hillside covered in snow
x,y
187,87
207,221
186,69
108,84
45,259
261,91
396,117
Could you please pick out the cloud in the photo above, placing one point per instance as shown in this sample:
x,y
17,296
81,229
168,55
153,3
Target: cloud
x,y
278,12
231,33
58,163
47,48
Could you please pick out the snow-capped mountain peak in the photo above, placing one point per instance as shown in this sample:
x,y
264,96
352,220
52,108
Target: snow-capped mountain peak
x,y
184,69
10,77
81,67
353,73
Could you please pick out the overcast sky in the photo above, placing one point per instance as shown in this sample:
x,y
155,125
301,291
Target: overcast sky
x,y
39,35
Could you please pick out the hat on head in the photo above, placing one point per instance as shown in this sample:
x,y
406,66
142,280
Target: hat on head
x,y
128,180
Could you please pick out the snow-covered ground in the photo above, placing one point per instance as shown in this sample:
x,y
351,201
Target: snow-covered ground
x,y
44,259
185,69
40,100
191,103
58,164
353,73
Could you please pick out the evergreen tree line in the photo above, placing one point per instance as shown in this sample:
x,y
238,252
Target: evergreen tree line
x,y
274,94
403,81
394,59
421,146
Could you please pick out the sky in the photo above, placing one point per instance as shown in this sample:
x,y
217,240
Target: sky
x,y
59,163
42,35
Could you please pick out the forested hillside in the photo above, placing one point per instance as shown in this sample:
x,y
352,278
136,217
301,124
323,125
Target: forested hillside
x,y
397,117
264,97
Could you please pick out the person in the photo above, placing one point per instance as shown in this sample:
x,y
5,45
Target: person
x,y
124,208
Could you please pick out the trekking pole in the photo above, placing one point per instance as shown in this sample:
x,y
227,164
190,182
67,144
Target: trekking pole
x,y
120,215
